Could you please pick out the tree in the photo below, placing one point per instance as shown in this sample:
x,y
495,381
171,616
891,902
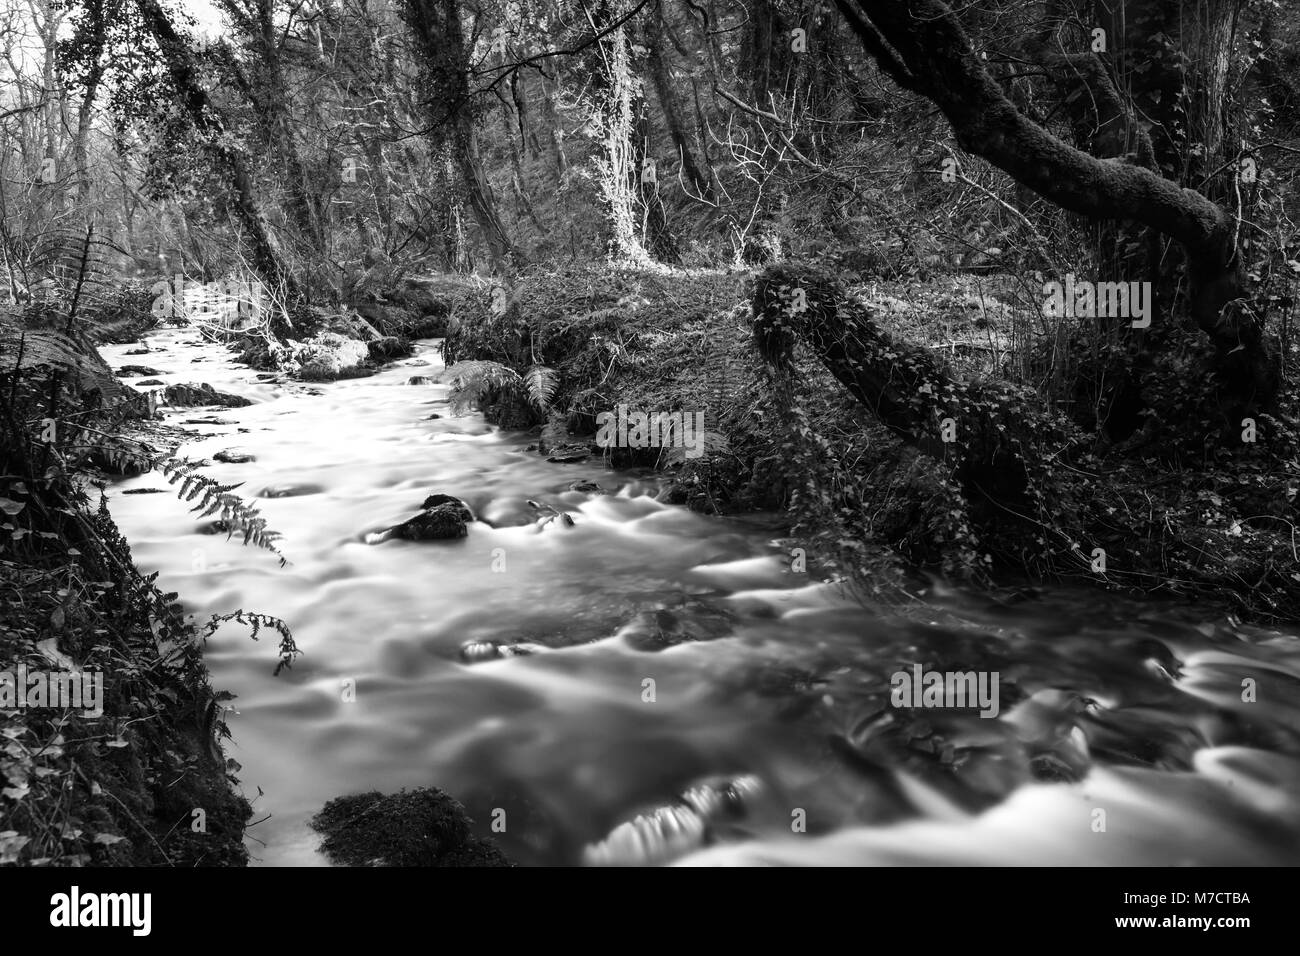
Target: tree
x,y
207,120
439,41
924,48
267,90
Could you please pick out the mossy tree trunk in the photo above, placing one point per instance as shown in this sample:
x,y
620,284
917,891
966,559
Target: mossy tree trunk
x,y
617,94
923,47
267,259
444,58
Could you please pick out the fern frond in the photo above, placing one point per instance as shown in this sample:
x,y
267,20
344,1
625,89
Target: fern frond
x,y
711,443
472,380
213,496
255,622
23,349
541,383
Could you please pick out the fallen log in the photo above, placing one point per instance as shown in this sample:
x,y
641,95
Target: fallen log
x,y
999,441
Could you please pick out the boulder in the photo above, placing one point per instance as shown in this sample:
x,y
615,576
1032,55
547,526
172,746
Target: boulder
x,y
438,501
443,523
389,347
290,491
422,827
234,456
185,396
329,356
569,454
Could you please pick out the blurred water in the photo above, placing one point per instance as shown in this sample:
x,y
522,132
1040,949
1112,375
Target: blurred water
x,y
1132,709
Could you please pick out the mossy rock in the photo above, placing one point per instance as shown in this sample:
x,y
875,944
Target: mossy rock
x,y
389,347
440,501
422,827
201,394
331,356
439,523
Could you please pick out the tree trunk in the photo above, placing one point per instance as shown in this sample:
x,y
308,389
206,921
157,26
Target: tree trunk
x,y
266,258
766,57
654,221
619,164
551,117
303,205
440,43
988,433
921,46
660,75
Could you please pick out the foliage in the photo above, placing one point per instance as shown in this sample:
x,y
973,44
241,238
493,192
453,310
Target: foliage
x,y
476,382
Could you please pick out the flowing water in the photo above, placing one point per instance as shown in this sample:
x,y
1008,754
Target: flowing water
x,y
673,648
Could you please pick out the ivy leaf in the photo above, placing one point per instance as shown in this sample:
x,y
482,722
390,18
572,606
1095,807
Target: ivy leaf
x,y
11,843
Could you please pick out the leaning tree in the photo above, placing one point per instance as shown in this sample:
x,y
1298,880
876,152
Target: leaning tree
x,y
1143,92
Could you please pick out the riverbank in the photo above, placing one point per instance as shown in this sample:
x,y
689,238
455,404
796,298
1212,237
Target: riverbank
x,y
1147,518
112,731
646,651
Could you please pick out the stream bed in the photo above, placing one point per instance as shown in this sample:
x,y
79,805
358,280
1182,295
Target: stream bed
x,y
646,650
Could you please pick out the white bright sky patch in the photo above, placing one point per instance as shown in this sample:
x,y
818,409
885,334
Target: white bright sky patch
x,y
209,18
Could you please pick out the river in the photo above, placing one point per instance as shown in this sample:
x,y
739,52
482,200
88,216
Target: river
x,y
672,648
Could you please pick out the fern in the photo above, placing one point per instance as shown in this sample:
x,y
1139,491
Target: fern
x,y
72,266
213,498
541,384
24,350
208,496
711,443
255,622
472,381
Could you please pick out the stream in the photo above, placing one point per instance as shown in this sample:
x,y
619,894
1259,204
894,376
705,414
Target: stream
x,y
670,650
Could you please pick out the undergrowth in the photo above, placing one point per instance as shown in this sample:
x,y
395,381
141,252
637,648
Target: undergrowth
x,y
145,781
873,509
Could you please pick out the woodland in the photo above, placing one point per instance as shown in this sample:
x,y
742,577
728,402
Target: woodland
x,y
829,227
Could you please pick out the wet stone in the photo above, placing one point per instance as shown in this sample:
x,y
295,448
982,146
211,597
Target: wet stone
x,y
290,491
234,456
442,523
438,501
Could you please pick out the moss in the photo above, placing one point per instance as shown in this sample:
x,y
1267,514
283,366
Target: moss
x,y
866,501
422,827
